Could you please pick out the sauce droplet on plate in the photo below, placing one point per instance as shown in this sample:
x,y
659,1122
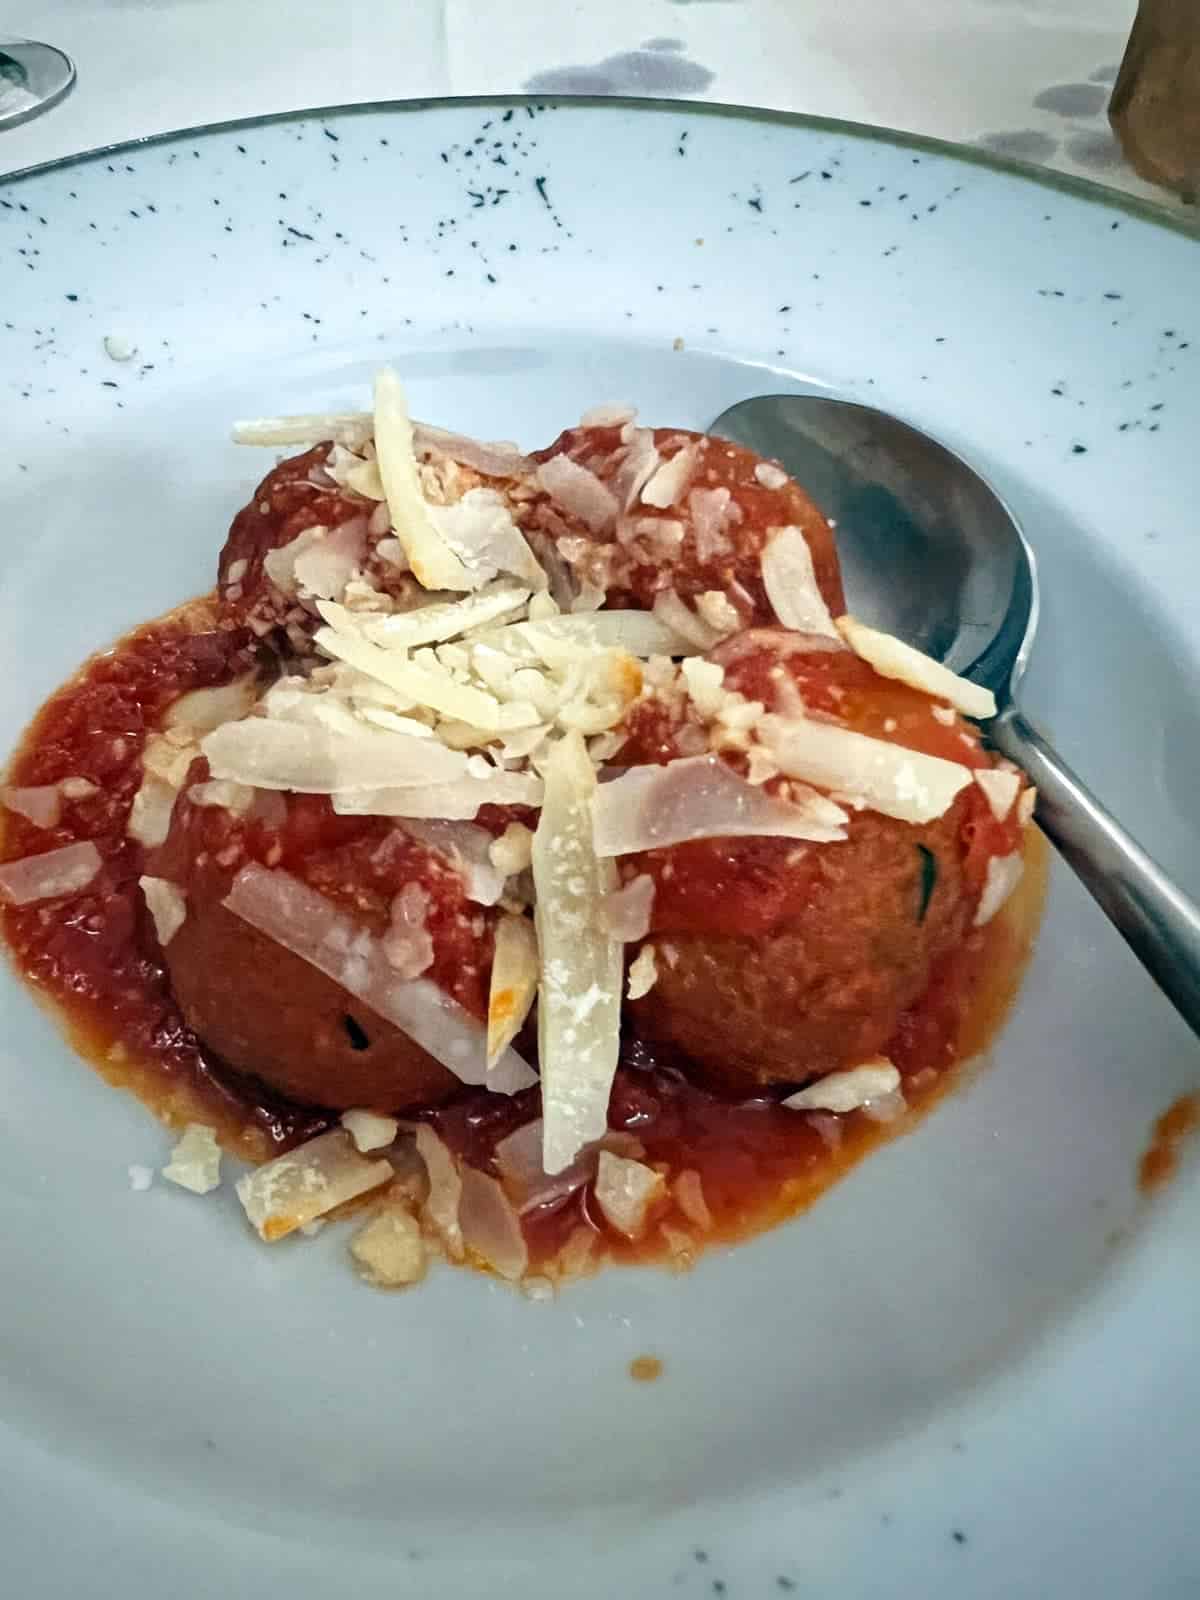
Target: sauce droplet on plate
x,y
645,1369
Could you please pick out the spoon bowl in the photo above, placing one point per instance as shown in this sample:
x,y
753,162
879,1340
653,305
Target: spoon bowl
x,y
929,551
931,554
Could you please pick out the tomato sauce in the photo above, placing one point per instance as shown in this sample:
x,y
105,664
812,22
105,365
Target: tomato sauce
x,y
1160,1159
96,961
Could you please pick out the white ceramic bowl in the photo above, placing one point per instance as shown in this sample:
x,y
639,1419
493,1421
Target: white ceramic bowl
x,y
977,1333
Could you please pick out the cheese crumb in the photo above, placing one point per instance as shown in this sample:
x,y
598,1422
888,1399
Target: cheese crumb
x,y
999,789
77,788
167,906
643,973
625,1192
704,681
389,1251
847,1091
369,1130
1003,875
537,1289
512,852
716,608
195,1162
140,1178
118,348
769,475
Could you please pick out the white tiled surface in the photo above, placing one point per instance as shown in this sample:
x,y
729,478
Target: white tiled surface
x,y
967,70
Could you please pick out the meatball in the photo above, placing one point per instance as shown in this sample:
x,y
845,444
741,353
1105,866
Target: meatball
x,y
267,1012
310,491
777,960
852,946
710,535
296,495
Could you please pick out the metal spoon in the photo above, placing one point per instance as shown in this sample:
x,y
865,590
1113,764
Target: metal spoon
x,y
33,77
932,554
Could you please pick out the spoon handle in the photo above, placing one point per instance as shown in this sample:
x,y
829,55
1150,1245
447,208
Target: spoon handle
x,y
1157,920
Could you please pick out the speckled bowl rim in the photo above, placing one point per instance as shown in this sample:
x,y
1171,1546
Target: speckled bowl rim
x,y
872,133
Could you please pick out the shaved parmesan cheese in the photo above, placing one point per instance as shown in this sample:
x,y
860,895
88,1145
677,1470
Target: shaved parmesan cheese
x,y
791,583
440,1210
351,428
892,658
1026,806
627,910
149,819
515,974
389,1251
579,1007
1003,875
999,788
468,849
700,797
559,639
433,562
202,710
847,1091
40,804
279,564
643,973
674,614
777,643
457,801
640,463
369,1130
195,1162
167,906
365,480
480,530
433,624
495,460
625,1192
380,717
269,754
313,928
888,778
491,1229
65,871
579,492
295,1189
669,481
708,510
428,684
529,1186
325,567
